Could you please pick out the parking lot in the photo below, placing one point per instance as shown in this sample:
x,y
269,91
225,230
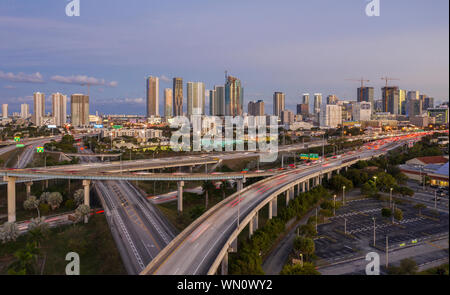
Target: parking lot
x,y
350,233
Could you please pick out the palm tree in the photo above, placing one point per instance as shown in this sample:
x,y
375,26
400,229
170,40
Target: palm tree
x,y
32,203
207,187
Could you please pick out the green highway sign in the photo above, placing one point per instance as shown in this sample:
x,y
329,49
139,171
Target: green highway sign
x,y
117,126
16,138
20,145
314,156
304,156
40,149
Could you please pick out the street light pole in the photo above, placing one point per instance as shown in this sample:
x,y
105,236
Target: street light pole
x,y
345,225
387,252
390,198
316,219
334,206
374,231
435,200
343,195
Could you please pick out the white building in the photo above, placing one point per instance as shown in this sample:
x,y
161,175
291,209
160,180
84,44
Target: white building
x,y
39,108
330,115
24,110
195,98
5,110
361,111
317,102
59,108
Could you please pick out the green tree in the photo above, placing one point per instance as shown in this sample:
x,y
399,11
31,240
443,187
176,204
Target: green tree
x,y
398,214
420,206
407,267
386,212
369,189
32,203
26,260
337,182
305,246
54,200
298,269
307,230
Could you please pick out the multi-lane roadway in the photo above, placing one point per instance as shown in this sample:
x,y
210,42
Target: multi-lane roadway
x,y
139,229
198,247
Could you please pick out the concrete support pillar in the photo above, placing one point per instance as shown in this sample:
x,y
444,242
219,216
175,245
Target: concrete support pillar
x,y
303,186
240,184
28,188
307,185
46,183
329,176
338,171
346,167
180,195
224,265
11,198
255,221
86,184
270,209
288,196
317,180
292,195
190,169
273,207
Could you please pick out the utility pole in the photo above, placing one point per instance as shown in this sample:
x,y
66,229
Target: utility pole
x,y
345,225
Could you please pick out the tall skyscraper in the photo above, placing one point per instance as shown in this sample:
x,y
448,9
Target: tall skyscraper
x,y
195,98
234,96
362,111
317,102
278,103
305,98
256,108
414,108
428,103
177,97
152,96
220,100
39,108
5,110
59,108
330,115
390,97
366,94
212,103
413,94
332,99
79,110
24,110
168,101
402,102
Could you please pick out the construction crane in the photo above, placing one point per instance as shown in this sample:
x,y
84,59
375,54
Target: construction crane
x,y
386,79
362,80
88,85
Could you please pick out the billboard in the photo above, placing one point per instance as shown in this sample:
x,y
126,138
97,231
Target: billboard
x,y
98,125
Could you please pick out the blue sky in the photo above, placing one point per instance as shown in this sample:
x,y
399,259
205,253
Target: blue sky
x,y
291,46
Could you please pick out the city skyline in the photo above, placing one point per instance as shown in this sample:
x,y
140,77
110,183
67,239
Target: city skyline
x,y
315,60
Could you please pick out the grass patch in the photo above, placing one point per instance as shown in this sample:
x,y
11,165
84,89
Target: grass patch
x,y
93,242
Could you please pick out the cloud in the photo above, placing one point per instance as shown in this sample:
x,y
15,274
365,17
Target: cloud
x,y
9,87
82,80
22,77
138,100
164,78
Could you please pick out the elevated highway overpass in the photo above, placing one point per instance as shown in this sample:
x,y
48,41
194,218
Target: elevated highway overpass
x,y
203,246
